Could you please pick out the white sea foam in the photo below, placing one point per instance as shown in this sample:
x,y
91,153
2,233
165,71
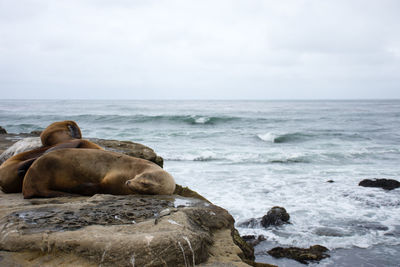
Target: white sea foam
x,y
268,137
202,120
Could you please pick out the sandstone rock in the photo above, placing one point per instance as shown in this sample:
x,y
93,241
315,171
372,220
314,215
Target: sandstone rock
x,y
303,255
2,130
131,149
276,216
387,184
112,230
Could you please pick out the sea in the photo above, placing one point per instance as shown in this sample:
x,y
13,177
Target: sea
x,y
248,156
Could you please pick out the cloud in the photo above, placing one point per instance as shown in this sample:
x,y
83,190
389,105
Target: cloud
x,y
199,49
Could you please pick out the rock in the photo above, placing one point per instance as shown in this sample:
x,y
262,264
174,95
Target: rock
x,y
131,149
112,230
36,132
20,146
187,192
253,240
330,181
387,184
2,130
276,216
314,253
251,223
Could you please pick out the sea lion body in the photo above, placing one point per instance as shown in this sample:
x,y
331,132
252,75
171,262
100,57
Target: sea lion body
x,y
88,172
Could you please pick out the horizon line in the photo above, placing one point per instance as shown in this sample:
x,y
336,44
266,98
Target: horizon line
x,y
201,99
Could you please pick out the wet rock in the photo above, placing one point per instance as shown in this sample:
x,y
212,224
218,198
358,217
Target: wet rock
x,y
276,216
36,132
131,149
2,130
303,255
253,240
112,230
387,184
251,223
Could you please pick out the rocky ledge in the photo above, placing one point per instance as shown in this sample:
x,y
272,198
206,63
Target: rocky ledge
x,y
112,230
184,229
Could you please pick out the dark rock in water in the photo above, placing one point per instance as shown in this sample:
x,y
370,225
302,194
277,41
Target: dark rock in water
x,y
387,184
37,132
303,255
250,223
275,216
252,240
330,181
2,130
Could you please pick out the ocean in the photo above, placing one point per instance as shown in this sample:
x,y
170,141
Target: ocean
x,y
248,156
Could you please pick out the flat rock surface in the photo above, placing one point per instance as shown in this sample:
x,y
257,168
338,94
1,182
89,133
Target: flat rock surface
x,y
110,230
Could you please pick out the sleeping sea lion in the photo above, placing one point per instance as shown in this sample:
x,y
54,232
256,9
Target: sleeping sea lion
x,y
90,171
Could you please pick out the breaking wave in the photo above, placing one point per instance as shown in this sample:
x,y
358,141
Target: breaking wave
x,y
283,138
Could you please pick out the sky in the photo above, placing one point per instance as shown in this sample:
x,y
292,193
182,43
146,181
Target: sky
x,y
204,49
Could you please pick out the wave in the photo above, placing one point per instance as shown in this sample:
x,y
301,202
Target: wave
x,y
186,119
238,159
283,138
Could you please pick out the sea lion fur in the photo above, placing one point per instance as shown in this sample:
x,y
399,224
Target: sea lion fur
x,y
90,171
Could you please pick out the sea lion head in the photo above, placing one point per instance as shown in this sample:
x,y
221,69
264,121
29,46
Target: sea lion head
x,y
152,183
59,132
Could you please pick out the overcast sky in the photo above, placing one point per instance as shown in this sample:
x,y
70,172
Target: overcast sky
x,y
204,49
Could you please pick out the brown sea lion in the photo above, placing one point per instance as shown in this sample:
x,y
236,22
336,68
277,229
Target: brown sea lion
x,y
89,171
57,135
59,132
13,170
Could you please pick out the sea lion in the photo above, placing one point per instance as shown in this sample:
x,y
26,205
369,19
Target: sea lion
x,y
90,171
59,132
58,135
13,170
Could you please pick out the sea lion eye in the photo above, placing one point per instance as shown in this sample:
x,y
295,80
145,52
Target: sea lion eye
x,y
145,185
